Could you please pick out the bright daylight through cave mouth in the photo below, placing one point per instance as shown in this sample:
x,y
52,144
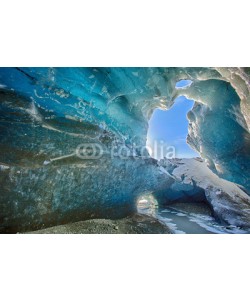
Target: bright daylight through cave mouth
x,y
168,129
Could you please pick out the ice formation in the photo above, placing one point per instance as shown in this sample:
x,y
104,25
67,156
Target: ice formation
x,y
48,113
194,181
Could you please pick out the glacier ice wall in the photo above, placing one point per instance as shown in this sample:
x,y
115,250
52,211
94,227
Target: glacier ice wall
x,y
219,131
46,113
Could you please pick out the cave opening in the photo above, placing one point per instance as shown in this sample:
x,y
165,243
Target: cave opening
x,y
147,203
184,83
168,130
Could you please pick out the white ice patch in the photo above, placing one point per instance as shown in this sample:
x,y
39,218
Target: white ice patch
x,y
4,167
165,210
180,215
34,112
209,223
172,226
143,201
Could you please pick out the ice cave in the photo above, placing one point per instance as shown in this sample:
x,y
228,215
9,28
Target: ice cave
x,y
74,145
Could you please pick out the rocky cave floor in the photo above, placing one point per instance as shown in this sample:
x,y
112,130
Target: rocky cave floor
x,y
138,223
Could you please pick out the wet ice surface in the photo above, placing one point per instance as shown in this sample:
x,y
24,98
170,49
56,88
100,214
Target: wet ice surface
x,y
194,218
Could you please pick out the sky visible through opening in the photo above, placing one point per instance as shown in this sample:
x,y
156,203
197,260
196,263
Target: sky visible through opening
x,y
183,84
170,128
